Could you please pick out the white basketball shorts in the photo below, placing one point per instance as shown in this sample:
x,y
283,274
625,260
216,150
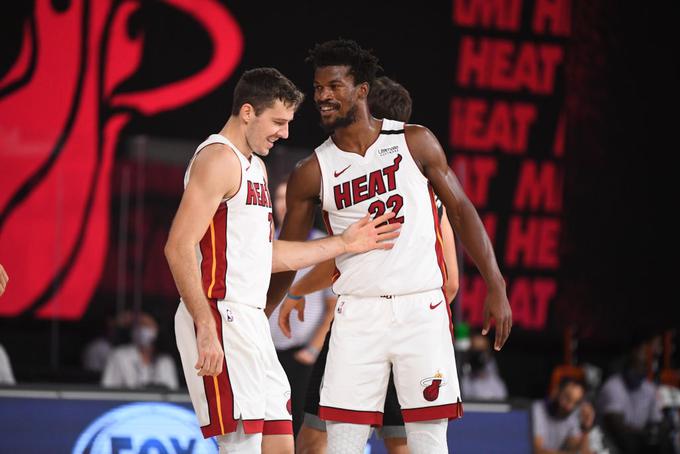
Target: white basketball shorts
x,y
413,335
252,387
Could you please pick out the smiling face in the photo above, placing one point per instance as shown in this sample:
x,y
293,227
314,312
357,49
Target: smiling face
x,y
336,97
263,130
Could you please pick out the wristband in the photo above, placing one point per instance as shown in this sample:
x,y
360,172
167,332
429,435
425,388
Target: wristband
x,y
294,297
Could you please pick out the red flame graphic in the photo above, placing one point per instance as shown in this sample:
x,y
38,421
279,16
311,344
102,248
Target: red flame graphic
x,y
60,118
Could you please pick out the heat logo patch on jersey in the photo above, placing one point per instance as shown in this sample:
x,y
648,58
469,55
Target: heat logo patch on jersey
x,y
432,385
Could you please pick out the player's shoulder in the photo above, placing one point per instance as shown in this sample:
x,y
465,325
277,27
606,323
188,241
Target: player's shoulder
x,y
416,131
216,159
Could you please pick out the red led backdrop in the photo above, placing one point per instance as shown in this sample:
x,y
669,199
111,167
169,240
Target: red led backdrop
x,y
507,129
61,113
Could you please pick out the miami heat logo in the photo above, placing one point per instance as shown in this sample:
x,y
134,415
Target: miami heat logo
x,y
289,403
63,104
432,385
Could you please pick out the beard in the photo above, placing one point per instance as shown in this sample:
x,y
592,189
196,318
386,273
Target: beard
x,y
341,122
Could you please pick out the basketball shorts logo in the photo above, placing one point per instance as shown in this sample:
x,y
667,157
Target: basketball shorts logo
x,y
432,385
289,404
340,306
230,315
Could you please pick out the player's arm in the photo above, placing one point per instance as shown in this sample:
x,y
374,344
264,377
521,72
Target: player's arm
x,y
539,449
318,278
364,235
450,258
302,195
466,223
215,174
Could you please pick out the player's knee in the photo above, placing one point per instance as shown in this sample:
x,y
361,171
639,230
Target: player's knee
x,y
277,444
347,438
239,442
396,445
427,437
310,441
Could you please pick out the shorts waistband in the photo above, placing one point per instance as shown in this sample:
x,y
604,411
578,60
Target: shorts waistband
x,y
390,297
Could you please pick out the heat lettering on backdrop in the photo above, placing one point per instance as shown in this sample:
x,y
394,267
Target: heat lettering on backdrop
x,y
506,132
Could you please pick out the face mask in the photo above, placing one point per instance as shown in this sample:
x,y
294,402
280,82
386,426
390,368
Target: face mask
x,y
144,336
633,379
477,360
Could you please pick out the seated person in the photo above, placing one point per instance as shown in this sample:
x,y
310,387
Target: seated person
x,y
562,422
137,366
628,404
480,379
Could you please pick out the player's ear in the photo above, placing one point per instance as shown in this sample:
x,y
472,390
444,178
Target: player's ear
x,y
363,90
247,112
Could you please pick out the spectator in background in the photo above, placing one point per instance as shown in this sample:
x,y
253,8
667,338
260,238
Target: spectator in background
x,y
97,352
628,405
138,365
480,379
297,349
6,374
562,422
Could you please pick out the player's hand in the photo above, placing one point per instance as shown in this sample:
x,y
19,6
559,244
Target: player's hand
x,y
4,278
366,234
284,314
305,357
586,416
210,353
497,307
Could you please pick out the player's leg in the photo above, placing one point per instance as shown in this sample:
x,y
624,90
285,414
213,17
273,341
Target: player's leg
x,y
311,439
425,373
392,432
427,437
211,397
277,444
347,438
239,442
278,427
396,445
357,372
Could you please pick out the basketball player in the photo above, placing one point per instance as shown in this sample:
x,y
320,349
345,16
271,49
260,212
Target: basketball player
x,y
391,312
221,253
386,99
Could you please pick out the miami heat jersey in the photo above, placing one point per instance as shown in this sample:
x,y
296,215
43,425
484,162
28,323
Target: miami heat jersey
x,y
385,179
235,254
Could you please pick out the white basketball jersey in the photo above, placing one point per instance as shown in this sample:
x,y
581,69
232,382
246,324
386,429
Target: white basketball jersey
x,y
235,254
385,179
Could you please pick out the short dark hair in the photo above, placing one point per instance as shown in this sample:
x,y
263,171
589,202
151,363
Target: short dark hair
x,y
566,381
261,87
363,65
389,99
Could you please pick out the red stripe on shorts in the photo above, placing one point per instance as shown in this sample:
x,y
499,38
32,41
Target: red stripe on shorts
x,y
449,411
278,427
218,391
